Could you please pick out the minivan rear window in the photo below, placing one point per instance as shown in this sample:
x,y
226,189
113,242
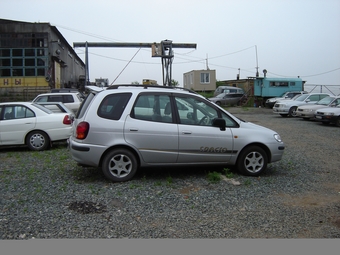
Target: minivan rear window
x,y
85,104
113,106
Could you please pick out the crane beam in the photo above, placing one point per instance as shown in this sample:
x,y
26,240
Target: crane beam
x,y
163,50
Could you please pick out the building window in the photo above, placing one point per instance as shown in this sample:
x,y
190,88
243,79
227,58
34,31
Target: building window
x,y
23,54
278,84
205,77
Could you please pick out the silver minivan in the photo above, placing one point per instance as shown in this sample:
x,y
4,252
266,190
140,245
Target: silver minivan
x,y
126,127
227,90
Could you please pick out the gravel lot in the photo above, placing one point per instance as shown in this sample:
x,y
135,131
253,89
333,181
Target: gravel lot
x,y
46,195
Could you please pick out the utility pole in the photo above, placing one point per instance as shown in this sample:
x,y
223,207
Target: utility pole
x,y
162,50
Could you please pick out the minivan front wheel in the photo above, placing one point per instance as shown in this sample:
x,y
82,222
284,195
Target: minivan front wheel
x,y
252,161
119,165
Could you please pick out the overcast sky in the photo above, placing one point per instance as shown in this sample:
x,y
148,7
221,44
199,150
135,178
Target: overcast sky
x,y
292,37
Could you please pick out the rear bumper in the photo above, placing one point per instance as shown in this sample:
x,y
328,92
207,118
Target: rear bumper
x,y
85,154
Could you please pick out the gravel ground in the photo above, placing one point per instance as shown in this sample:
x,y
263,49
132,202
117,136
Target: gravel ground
x,y
45,195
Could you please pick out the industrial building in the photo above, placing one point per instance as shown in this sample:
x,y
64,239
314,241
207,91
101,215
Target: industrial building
x,y
35,57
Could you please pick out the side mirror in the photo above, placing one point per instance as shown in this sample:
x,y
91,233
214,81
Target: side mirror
x,y
220,123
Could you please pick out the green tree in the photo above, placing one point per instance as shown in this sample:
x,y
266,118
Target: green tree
x,y
174,83
219,83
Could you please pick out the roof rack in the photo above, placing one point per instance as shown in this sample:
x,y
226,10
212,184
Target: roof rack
x,y
150,86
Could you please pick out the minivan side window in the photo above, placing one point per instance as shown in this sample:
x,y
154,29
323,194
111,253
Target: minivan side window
x,y
112,106
197,112
153,108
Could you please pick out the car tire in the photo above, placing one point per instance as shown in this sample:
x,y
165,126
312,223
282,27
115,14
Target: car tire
x,y
119,165
252,161
292,111
218,103
37,141
337,122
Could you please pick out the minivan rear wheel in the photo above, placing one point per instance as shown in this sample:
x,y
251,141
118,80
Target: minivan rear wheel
x,y
119,165
252,161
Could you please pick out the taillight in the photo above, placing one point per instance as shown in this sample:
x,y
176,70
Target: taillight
x,y
82,130
67,120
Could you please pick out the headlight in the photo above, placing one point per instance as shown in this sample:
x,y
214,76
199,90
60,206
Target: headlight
x,y
329,113
278,138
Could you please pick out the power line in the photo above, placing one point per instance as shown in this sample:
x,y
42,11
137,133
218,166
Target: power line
x,y
311,75
126,66
186,54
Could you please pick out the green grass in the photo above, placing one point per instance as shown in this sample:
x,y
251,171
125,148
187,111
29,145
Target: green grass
x,y
158,183
228,173
214,177
247,182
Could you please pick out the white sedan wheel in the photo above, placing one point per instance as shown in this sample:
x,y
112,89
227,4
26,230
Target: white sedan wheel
x,y
37,141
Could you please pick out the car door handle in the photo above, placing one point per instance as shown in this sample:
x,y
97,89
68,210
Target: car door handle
x,y
133,129
186,132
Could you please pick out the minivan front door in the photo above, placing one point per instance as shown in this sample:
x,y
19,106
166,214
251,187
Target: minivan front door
x,y
199,141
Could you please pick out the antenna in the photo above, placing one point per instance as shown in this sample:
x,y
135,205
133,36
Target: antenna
x,y
257,63
206,61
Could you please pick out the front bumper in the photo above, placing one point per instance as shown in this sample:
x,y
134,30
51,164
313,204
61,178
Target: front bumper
x,y
304,114
280,110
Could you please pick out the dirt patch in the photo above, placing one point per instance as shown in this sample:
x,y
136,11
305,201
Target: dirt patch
x,y
187,190
85,207
310,200
314,199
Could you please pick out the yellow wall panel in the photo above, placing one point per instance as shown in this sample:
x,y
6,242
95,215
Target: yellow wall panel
x,y
23,82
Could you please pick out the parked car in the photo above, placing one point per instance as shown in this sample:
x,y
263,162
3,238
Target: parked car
x,y
288,107
270,102
31,124
328,115
228,98
63,90
56,107
308,111
227,89
126,127
71,100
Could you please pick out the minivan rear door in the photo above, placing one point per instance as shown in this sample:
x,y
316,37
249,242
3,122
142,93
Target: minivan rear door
x,y
150,128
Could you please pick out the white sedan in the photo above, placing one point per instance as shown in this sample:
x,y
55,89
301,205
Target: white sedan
x,y
71,100
307,111
288,107
27,123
